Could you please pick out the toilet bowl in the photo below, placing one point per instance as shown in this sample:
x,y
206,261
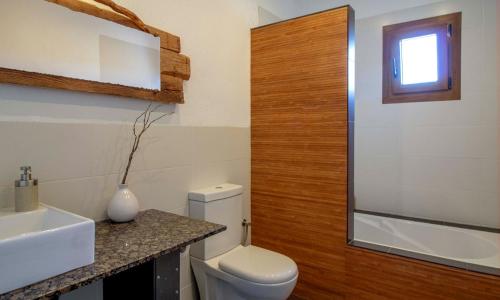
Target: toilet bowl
x,y
223,268
228,277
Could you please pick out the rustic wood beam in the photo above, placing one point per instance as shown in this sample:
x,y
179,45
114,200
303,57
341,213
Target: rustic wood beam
x,y
174,64
60,82
122,10
171,83
167,40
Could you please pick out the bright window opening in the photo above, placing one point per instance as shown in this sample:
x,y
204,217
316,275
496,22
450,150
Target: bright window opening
x,y
419,59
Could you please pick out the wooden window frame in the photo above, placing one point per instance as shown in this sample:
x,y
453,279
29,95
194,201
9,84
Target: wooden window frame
x,y
448,87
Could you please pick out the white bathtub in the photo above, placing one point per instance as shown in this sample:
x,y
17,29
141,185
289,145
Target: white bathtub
x,y
465,245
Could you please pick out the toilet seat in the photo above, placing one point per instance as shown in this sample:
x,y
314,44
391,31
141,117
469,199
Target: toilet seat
x,y
206,269
258,265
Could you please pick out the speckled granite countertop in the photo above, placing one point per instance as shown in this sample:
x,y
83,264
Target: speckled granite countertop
x,y
119,247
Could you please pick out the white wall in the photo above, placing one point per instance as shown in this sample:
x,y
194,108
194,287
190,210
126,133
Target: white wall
x,y
266,17
363,8
214,34
435,160
283,9
77,143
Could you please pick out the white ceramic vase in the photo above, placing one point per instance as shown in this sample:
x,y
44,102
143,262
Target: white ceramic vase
x,y
124,206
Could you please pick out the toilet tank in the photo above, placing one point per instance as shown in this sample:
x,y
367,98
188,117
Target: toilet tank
x,y
221,204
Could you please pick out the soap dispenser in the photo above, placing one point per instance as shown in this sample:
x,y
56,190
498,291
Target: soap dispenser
x,y
26,192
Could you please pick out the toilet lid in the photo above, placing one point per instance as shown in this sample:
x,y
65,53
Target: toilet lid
x,y
258,265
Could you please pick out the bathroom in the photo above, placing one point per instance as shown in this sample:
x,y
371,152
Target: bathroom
x,y
276,114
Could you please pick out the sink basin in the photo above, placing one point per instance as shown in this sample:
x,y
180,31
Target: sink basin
x,y
40,244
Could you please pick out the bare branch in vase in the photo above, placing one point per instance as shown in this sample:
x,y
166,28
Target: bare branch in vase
x,y
146,123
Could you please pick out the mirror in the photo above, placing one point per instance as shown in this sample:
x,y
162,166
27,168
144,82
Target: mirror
x,y
52,39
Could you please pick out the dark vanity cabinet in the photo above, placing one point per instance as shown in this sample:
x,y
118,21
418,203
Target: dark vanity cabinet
x,y
157,279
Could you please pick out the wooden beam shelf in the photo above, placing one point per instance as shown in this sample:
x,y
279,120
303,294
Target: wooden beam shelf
x,y
174,67
13,76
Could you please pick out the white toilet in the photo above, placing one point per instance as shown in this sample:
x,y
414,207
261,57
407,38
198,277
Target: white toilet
x,y
224,269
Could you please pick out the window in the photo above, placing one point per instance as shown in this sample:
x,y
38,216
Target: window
x,y
419,60
422,60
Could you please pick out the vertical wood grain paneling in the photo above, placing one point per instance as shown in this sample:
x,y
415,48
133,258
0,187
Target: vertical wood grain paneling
x,y
299,172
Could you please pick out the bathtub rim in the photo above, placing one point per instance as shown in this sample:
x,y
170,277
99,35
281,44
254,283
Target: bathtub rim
x,y
428,221
393,251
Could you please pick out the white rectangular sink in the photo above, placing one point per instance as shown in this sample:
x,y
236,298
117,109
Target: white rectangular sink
x,y
41,244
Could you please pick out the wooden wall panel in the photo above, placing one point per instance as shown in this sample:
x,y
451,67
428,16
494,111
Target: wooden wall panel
x,y
299,145
299,172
